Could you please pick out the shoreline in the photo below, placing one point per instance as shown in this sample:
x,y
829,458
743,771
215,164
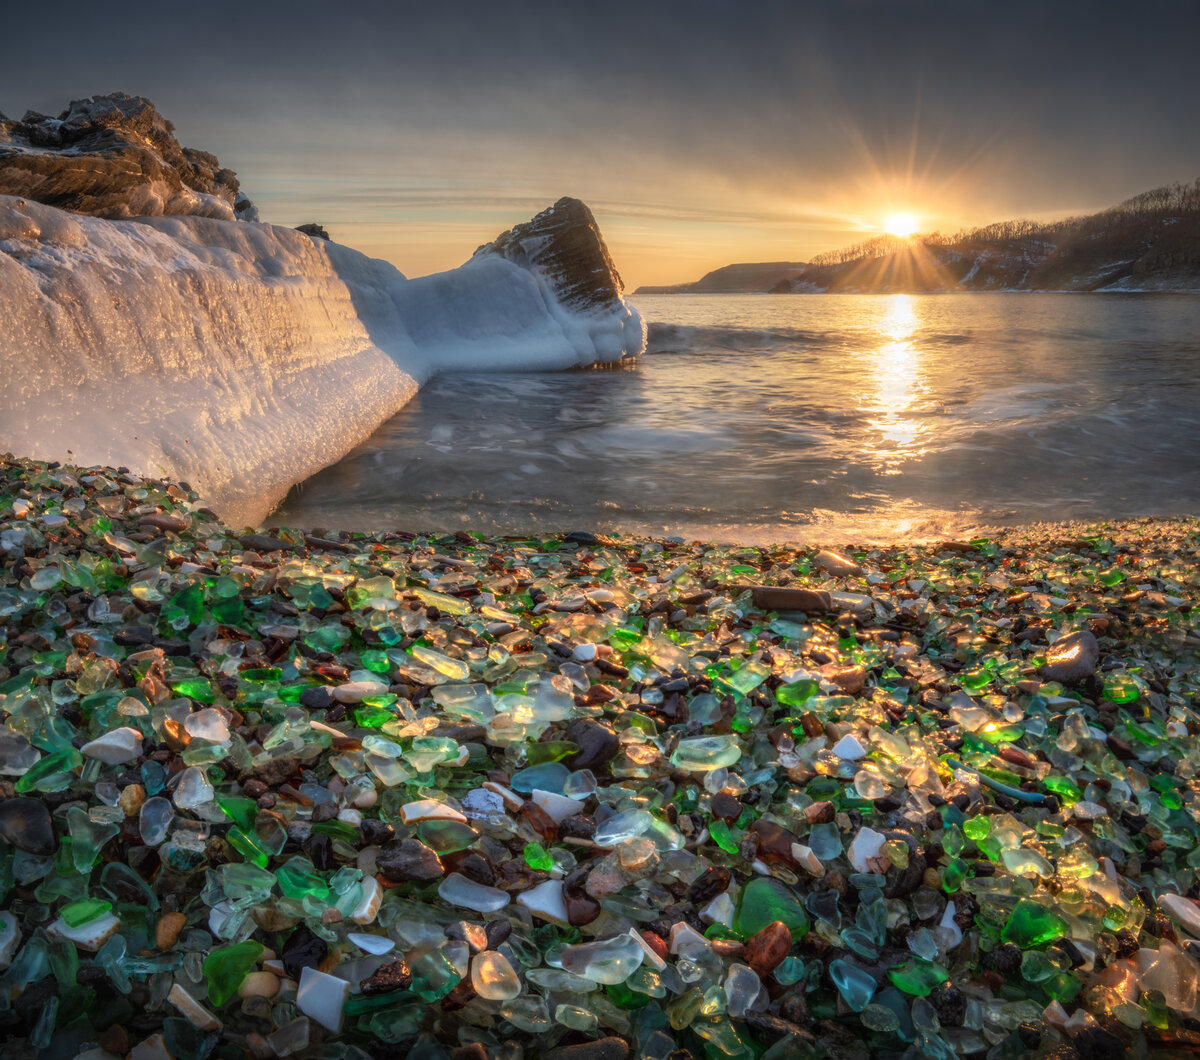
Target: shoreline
x,y
676,793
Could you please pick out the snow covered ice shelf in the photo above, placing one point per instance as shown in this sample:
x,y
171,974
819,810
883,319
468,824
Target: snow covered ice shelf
x,y
242,357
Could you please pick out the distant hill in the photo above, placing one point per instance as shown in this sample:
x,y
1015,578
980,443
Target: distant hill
x,y
1148,243
753,276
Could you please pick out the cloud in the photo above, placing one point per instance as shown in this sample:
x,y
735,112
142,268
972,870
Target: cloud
x,y
809,117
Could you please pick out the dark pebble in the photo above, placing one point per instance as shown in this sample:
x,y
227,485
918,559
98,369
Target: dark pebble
x,y
388,977
303,949
601,1049
317,698
709,884
597,742
26,825
131,636
409,859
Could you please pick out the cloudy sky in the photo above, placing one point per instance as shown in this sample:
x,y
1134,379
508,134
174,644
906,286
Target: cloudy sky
x,y
700,132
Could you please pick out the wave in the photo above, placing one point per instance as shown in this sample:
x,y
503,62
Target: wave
x,y
684,338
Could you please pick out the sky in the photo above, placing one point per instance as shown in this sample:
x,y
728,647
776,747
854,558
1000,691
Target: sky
x,y
700,133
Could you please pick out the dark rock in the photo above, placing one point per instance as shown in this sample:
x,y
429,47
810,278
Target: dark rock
x,y
130,636
303,949
1071,658
26,825
317,698
409,859
709,884
1096,1043
779,598
497,932
582,908
766,948
597,742
950,1004
275,771
115,156
581,537
267,543
1005,959
601,1049
726,806
578,825
388,977
313,229
564,244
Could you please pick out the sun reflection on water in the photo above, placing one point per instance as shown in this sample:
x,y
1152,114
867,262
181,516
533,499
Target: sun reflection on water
x,y
894,434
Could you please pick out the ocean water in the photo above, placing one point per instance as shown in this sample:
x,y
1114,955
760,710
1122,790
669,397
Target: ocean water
x,y
806,418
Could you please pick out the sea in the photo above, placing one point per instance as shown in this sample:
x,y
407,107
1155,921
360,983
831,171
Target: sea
x,y
806,418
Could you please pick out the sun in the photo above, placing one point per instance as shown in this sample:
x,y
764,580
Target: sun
x,y
901,224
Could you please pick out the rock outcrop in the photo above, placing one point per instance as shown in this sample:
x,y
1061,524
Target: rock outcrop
x,y
317,231
564,244
115,156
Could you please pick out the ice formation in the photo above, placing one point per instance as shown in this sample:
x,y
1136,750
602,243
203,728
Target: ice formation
x,y
244,357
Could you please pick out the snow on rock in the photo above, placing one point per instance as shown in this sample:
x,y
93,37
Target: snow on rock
x,y
115,156
242,358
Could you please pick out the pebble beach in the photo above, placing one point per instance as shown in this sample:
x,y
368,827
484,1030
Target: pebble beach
x,y
287,792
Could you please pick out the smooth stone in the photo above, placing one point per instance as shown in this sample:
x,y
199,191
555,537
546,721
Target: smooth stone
x,y
259,984
1071,658
409,859
376,945
191,1009
546,901
368,908
456,889
357,691
322,998
26,825
90,936
782,598
767,947
115,746
585,652
429,810
558,807
168,930
599,1049
597,742
835,563
865,848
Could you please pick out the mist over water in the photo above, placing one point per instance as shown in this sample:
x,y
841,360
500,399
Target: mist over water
x,y
813,417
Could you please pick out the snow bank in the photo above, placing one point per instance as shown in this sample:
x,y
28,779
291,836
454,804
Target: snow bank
x,y
241,357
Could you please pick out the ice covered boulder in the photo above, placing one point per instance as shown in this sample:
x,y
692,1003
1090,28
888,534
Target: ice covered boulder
x,y
114,156
564,244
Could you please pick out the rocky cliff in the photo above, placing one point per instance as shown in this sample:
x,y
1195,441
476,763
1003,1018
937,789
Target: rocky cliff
x,y
114,156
